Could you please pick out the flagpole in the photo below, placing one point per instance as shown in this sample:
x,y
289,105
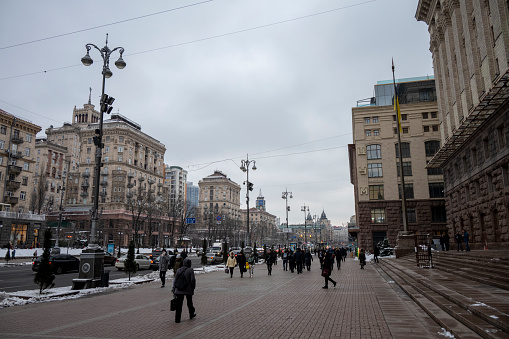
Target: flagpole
x,y
402,177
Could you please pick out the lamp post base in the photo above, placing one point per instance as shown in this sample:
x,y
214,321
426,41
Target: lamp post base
x,y
405,244
91,268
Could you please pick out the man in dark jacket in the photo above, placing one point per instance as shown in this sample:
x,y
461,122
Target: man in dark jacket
x,y
269,261
164,259
188,291
299,258
241,261
459,241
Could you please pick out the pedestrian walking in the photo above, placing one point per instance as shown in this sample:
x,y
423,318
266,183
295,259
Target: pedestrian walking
x,y
13,255
291,261
466,237
339,257
299,257
188,291
241,261
362,259
178,264
269,260
308,258
285,260
459,241
231,263
376,253
327,269
447,241
442,241
251,262
164,260
35,255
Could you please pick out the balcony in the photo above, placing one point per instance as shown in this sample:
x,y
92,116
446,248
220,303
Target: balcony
x,y
130,175
130,185
15,169
102,194
11,200
85,184
84,194
142,178
104,173
85,175
13,185
16,155
16,139
103,183
160,184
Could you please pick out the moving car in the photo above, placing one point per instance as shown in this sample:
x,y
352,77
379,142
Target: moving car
x,y
142,261
60,263
213,258
109,259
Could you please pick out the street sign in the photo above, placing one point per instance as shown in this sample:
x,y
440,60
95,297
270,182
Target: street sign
x,y
190,220
218,218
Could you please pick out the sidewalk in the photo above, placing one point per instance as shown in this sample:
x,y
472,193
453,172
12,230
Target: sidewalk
x,y
283,305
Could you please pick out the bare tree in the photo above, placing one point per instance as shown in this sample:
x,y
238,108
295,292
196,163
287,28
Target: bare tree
x,y
137,202
39,194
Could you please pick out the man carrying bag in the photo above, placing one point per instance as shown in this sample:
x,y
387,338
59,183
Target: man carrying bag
x,y
184,284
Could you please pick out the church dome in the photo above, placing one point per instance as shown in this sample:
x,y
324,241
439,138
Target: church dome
x,y
323,215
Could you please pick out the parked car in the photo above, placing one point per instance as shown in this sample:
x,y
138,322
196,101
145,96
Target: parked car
x,y
154,265
214,258
155,254
109,259
142,261
60,263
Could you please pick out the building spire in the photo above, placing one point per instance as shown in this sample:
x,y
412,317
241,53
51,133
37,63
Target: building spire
x,y
90,96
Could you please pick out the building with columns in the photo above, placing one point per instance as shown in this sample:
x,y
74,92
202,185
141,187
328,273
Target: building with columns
x,y
469,43
132,165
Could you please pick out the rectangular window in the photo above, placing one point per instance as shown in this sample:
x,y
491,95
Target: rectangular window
x,y
119,158
376,192
436,190
374,152
366,120
120,149
106,159
395,130
501,137
24,181
489,180
2,144
376,132
435,128
27,151
407,168
120,139
486,146
405,150
435,171
374,170
411,216
26,166
409,191
438,214
425,115
434,115
505,175
405,130
425,128
3,129
1,160
375,120
89,150
29,137
378,215
22,195
107,149
404,117
474,156
368,133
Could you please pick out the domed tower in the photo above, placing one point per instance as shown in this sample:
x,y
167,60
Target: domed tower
x,y
260,202
87,114
323,217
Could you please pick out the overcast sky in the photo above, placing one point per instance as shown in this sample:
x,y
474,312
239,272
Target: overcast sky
x,y
217,80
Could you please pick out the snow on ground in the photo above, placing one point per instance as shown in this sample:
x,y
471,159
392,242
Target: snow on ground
x,y
63,293
446,333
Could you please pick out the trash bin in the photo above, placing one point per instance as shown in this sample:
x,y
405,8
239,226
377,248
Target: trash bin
x,y
105,278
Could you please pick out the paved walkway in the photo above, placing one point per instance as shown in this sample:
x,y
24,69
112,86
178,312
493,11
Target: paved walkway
x,y
283,305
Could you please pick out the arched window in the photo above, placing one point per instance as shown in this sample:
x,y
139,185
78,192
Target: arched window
x,y
374,152
431,147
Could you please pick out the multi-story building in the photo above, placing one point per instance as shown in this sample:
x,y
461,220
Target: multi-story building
x,y
374,163
218,209
17,163
132,163
193,194
260,202
469,42
176,180
262,225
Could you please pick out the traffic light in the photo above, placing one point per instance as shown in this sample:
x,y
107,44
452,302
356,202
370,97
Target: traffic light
x,y
288,208
106,102
250,186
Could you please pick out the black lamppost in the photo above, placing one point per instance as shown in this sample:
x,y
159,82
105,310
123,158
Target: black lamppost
x,y
56,249
245,168
305,209
285,196
92,259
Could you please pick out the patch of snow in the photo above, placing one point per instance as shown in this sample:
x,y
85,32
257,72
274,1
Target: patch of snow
x,y
390,282
493,316
446,333
479,304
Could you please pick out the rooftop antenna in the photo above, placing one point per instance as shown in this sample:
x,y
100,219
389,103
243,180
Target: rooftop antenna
x,y
90,96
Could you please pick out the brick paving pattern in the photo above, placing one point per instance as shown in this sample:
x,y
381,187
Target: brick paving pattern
x,y
365,304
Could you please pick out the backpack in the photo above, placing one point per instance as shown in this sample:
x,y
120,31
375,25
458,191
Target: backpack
x,y
181,283
285,255
172,261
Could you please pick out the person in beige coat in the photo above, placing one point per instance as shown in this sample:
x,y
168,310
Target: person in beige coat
x,y
231,263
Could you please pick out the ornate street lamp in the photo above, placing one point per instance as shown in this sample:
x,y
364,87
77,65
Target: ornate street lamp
x,y
284,195
245,168
92,259
305,209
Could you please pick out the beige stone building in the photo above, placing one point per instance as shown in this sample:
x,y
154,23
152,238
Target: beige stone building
x,y
131,161
19,225
374,163
262,226
218,213
469,42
